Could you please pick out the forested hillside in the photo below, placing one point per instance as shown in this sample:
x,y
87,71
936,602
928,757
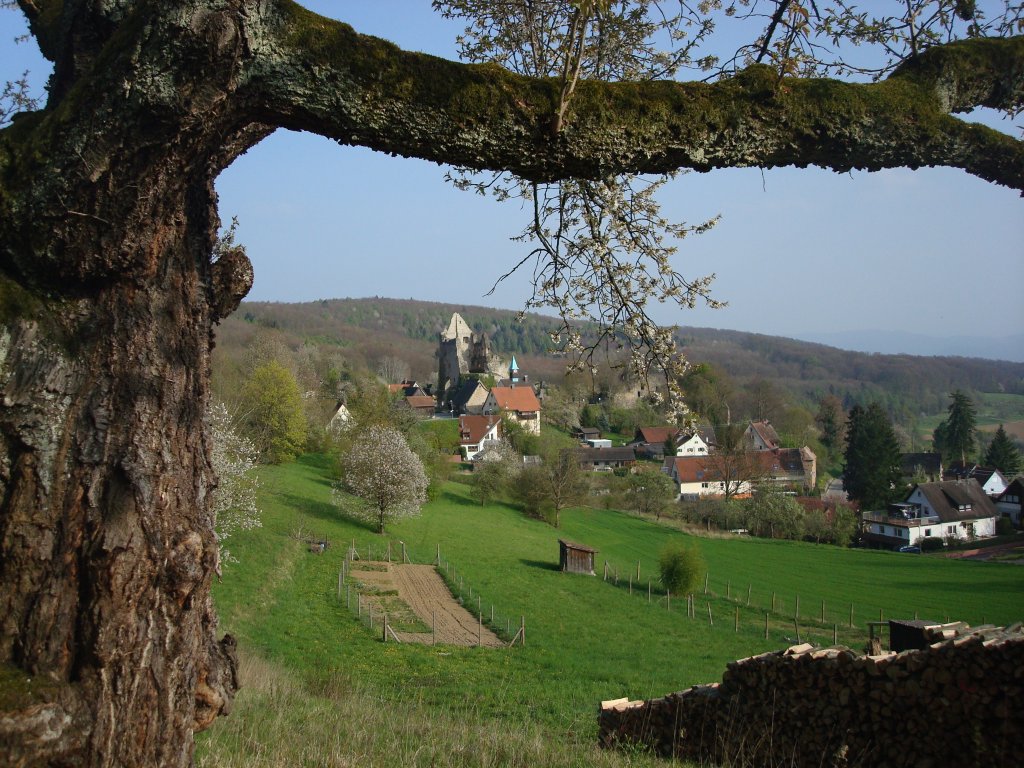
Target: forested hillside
x,y
365,331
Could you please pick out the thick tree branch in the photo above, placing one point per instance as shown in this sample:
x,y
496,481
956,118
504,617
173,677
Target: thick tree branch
x,y
321,76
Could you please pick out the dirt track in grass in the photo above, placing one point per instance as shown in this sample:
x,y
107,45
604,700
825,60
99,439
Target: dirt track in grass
x,y
424,591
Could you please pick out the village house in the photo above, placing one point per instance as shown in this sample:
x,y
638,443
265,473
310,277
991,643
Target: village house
x,y
654,442
517,401
991,480
477,433
761,436
697,442
1010,502
953,509
697,477
606,459
469,397
423,404
650,442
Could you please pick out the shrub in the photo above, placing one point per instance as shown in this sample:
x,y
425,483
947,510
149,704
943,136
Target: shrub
x,y
1004,526
680,567
931,544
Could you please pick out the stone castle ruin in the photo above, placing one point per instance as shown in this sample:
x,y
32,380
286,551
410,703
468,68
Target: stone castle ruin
x,y
461,352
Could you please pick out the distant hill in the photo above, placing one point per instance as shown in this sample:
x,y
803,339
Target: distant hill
x,y
894,343
366,330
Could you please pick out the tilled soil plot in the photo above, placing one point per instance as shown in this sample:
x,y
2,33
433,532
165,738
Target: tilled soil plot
x,y
424,591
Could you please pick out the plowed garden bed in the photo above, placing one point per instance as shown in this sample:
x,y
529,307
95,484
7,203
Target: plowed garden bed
x,y
404,589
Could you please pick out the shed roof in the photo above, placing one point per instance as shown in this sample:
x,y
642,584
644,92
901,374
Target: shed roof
x,y
573,545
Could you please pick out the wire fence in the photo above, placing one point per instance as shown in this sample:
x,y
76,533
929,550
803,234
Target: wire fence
x,y
377,605
786,616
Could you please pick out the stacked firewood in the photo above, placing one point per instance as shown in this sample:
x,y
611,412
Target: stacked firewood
x,y
961,699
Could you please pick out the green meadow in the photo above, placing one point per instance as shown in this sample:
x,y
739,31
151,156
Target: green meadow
x,y
587,638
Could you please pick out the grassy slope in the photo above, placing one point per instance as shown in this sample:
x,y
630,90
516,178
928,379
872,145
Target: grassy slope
x,y
586,639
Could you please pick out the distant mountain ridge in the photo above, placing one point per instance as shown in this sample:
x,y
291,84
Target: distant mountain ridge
x,y
370,328
1009,348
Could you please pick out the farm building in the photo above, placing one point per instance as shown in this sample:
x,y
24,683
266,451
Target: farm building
x,y
575,558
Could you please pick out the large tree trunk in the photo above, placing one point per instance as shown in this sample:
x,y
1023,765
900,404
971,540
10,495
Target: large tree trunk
x,y
107,631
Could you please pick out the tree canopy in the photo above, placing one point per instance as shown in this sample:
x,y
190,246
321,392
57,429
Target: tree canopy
x,y
111,287
872,472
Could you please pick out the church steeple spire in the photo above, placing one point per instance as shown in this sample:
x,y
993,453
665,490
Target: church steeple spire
x,y
513,371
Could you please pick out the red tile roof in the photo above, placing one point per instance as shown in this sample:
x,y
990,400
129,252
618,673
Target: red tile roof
x,y
521,399
420,402
656,434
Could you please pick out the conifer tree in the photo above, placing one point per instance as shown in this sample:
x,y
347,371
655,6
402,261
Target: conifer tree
x,y
872,473
1003,454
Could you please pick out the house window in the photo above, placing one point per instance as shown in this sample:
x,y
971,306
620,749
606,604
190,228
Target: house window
x,y
927,531
950,529
705,485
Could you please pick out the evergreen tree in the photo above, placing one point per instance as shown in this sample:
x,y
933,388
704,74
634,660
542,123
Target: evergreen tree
x,y
954,437
1003,454
872,472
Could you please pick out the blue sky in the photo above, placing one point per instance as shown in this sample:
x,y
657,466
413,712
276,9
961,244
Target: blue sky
x,y
799,252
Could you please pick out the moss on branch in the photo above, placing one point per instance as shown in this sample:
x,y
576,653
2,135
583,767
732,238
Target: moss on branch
x,y
362,90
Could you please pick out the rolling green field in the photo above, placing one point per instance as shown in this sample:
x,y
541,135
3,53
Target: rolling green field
x,y
587,639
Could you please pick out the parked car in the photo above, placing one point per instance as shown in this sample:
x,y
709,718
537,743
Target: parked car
x,y
912,548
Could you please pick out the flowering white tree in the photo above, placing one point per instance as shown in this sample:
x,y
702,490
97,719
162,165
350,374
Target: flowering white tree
x,y
234,462
384,475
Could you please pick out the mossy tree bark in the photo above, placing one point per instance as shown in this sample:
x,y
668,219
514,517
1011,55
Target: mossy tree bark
x,y
108,295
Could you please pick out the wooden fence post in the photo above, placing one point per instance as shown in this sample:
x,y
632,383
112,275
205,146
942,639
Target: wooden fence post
x,y
835,634
851,615
728,589
706,577
479,629
605,570
341,580
438,555
748,595
736,628
668,599
433,628
822,611
385,627
711,620
796,612
773,602
766,625
637,571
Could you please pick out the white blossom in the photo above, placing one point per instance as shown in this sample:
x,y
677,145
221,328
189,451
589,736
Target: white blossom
x,y
233,458
386,479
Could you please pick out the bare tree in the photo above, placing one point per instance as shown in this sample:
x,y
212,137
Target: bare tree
x,y
392,369
110,290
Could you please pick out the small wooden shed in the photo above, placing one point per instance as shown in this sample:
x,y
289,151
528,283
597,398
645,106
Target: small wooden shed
x,y
575,558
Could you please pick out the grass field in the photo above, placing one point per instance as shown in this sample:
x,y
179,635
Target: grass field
x,y
993,409
587,639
